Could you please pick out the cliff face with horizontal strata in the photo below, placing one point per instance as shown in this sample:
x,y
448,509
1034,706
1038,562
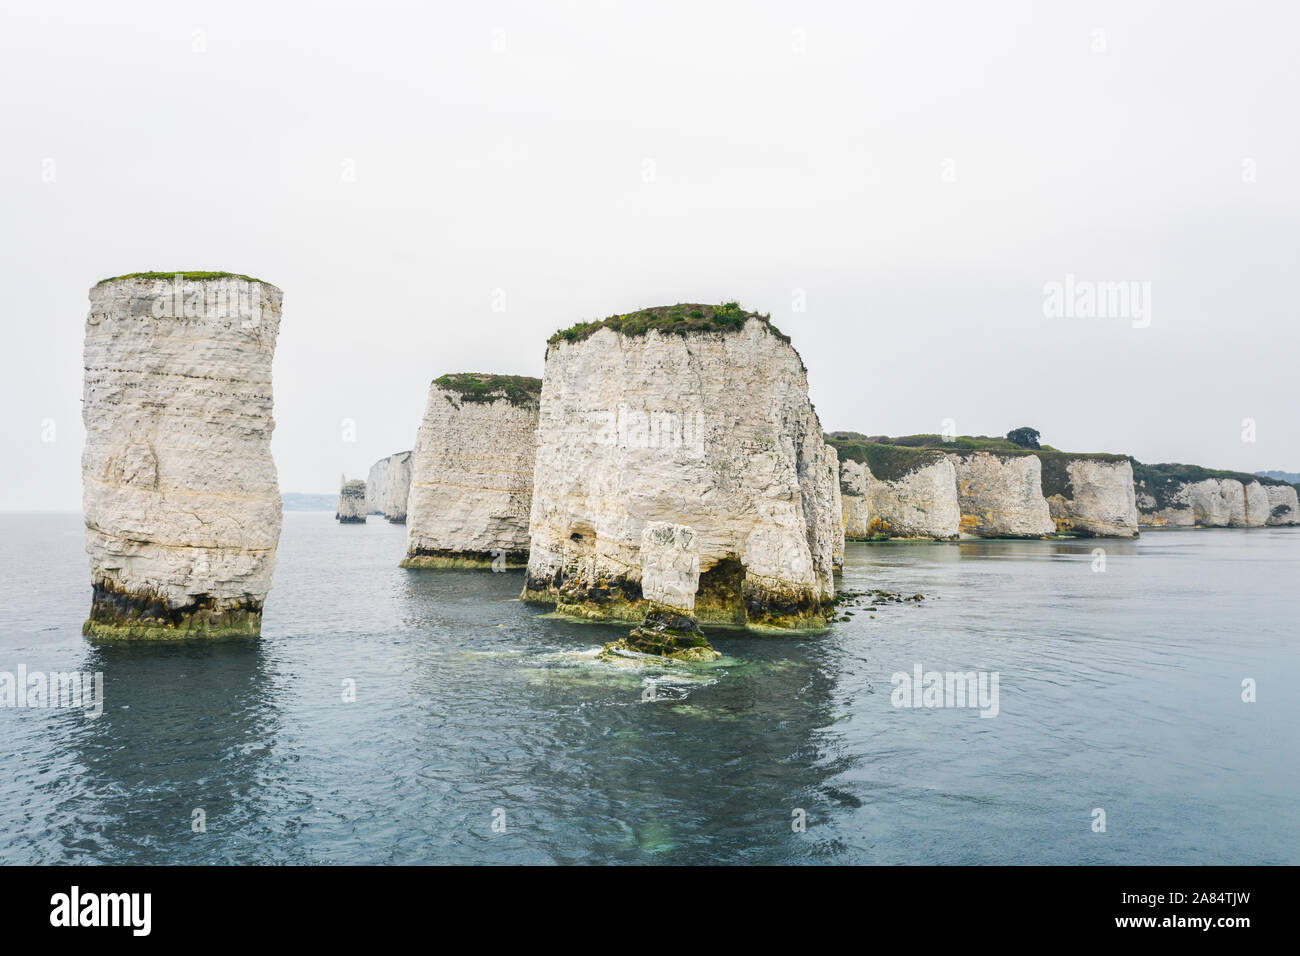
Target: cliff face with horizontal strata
x,y
1090,495
472,473
710,429
180,497
388,485
1001,496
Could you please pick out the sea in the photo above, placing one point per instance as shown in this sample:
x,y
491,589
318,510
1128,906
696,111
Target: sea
x,y
1129,702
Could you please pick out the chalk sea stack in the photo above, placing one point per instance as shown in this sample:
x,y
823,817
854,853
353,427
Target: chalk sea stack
x,y
388,485
180,497
893,491
352,502
472,473
670,576
837,509
692,415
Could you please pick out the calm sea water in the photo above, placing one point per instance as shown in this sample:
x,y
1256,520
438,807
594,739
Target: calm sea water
x,y
1118,690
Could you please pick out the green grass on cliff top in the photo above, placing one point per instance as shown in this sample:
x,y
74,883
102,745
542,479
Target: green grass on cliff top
x,y
486,387
681,319
1173,472
892,458
185,276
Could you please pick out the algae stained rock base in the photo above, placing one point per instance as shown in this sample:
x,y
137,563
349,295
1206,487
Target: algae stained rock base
x,y
180,497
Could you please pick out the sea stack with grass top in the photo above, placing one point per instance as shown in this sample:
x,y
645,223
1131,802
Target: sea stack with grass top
x,y
472,473
670,576
352,501
691,415
180,497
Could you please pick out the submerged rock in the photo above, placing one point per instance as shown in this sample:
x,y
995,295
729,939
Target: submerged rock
x,y
1090,495
352,502
472,473
1001,495
694,415
666,633
388,485
180,497
670,577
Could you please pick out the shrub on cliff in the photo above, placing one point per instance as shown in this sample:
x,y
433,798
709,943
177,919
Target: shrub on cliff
x,y
1024,436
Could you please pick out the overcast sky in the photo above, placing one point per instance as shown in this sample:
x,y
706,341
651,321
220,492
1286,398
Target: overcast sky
x,y
895,183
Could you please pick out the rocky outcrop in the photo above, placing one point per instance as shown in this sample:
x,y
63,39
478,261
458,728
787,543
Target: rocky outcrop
x,y
1001,495
1283,506
388,485
472,473
670,576
352,502
1090,495
180,497
691,415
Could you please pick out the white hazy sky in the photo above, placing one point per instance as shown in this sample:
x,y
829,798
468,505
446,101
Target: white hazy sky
x,y
794,146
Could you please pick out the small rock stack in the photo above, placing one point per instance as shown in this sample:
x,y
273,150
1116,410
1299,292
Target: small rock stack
x,y
352,502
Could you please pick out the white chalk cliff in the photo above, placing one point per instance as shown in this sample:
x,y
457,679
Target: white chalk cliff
x,y
1090,495
1284,507
472,473
388,485
705,424
1001,495
181,502
919,503
1213,502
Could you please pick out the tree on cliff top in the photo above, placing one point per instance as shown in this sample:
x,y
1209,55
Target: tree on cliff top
x,y
1024,436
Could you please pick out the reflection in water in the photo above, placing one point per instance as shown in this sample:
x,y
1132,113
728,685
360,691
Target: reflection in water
x,y
484,730
184,728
